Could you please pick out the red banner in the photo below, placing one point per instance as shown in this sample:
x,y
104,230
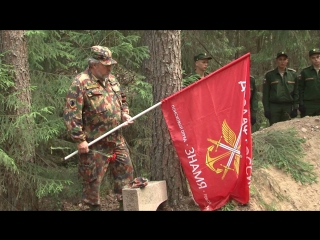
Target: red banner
x,y
209,123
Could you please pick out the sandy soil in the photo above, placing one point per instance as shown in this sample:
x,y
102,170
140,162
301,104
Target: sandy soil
x,y
279,189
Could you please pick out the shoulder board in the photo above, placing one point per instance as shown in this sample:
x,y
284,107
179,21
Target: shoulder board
x,y
291,69
112,79
82,76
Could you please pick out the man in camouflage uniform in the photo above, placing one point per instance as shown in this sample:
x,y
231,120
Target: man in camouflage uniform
x,y
94,106
253,100
280,92
201,63
309,86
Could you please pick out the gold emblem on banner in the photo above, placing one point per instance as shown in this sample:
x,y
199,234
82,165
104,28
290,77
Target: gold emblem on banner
x,y
233,152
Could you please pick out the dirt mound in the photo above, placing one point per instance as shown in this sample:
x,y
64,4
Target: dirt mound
x,y
273,189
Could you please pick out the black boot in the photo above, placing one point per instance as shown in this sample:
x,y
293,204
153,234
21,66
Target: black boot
x,y
95,208
120,205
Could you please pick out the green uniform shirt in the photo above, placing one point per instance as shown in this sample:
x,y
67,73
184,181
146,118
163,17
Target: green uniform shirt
x,y
309,85
278,89
253,97
193,77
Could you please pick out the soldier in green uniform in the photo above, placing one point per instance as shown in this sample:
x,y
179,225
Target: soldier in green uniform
x,y
94,106
309,86
201,64
253,100
280,91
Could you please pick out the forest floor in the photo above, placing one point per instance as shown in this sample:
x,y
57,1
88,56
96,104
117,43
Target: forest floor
x,y
273,188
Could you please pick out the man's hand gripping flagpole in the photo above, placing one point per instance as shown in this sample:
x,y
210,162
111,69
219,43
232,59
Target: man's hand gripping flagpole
x,y
116,128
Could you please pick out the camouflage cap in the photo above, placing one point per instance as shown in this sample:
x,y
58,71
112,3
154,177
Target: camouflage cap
x,y
282,54
103,54
313,51
201,56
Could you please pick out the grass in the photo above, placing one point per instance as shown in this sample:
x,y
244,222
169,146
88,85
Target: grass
x,y
283,150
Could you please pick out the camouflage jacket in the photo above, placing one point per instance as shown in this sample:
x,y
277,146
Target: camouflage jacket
x,y
93,109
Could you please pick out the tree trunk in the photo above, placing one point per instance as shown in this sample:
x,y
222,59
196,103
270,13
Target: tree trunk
x,y
20,193
164,72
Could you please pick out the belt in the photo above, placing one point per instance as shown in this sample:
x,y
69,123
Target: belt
x,y
105,142
289,103
111,144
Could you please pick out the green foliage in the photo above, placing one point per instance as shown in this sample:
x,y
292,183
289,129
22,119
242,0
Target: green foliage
x,y
49,181
283,150
28,175
229,206
7,100
215,43
296,43
142,96
7,162
48,50
55,57
139,138
123,47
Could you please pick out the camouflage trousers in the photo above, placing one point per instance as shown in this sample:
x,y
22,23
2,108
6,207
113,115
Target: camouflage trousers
x,y
94,164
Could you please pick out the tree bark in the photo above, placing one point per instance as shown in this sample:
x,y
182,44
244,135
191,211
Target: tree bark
x,y
20,193
164,72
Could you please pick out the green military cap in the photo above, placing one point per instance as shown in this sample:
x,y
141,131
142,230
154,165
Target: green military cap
x,y
313,51
201,56
103,54
282,54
